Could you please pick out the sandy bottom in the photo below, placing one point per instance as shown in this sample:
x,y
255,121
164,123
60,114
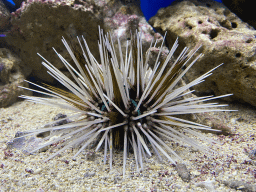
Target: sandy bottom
x,y
21,172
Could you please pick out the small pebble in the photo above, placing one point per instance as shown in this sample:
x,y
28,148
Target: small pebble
x,y
183,172
89,174
252,154
240,185
208,184
90,156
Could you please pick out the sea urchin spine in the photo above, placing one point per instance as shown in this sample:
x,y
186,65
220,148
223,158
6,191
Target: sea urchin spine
x,y
122,102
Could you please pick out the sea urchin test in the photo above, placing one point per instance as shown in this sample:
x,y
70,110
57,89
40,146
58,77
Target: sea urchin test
x,y
120,102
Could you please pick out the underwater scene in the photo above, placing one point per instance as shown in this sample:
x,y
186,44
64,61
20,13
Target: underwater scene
x,y
127,95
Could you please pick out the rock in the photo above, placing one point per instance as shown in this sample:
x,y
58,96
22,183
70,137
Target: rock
x,y
208,184
4,17
252,154
240,185
4,23
30,142
224,39
40,25
219,123
26,144
89,174
183,172
17,143
124,20
243,9
61,119
12,75
90,156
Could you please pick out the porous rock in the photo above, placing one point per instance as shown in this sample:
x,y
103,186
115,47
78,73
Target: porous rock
x,y
40,25
243,9
12,75
4,23
224,39
4,17
124,20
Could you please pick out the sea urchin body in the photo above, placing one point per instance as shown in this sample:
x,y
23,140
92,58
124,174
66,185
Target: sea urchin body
x,y
121,102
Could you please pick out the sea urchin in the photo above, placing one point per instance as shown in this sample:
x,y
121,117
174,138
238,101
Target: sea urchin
x,y
121,102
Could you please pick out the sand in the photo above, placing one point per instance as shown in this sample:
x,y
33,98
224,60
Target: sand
x,y
23,172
